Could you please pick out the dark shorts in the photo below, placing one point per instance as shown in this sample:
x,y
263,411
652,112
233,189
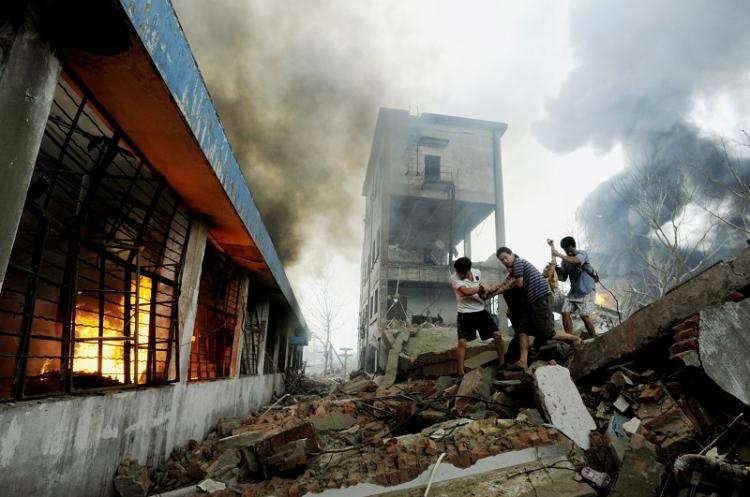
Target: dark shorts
x,y
468,323
537,319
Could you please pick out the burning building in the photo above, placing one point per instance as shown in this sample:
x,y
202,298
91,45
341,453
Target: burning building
x,y
141,298
431,179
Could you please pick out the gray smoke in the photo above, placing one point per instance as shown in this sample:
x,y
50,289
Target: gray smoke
x,y
640,66
297,88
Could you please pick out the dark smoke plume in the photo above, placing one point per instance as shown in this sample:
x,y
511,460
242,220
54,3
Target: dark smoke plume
x,y
640,67
298,97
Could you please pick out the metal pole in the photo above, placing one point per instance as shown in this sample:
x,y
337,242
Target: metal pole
x,y
345,351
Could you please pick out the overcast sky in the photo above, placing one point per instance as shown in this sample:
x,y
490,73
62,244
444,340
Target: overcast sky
x,y
298,85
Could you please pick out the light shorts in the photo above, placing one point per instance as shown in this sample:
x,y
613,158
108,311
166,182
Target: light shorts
x,y
583,307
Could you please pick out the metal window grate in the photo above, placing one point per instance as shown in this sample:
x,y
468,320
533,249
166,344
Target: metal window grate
x,y
216,320
90,296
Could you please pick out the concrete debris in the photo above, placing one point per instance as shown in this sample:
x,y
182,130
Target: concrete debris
x,y
211,486
391,367
479,360
386,437
724,347
632,426
653,396
563,405
621,404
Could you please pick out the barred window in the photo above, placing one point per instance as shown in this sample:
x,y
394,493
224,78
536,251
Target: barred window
x,y
90,296
213,344
256,320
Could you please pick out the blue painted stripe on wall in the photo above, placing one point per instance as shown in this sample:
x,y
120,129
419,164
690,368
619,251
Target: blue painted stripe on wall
x,y
160,32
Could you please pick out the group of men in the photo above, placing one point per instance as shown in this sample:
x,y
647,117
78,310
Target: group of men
x,y
528,295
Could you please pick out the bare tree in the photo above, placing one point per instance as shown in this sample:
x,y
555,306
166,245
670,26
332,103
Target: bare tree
x,y
669,241
732,210
325,314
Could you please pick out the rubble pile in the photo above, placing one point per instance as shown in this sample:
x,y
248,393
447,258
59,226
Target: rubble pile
x,y
657,406
361,434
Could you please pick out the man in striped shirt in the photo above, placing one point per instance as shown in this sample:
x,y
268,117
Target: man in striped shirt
x,y
536,319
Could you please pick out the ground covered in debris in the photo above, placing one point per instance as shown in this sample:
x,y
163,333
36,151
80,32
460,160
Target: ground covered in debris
x,y
658,406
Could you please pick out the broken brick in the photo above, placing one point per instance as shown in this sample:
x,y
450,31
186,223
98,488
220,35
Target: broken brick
x,y
683,346
651,394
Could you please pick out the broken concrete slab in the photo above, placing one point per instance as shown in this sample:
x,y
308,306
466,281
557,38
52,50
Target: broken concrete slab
x,y
358,385
562,403
480,360
391,366
724,347
708,288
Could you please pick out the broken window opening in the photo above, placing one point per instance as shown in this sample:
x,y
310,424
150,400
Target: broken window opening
x,y
432,167
283,345
212,345
90,296
269,366
255,326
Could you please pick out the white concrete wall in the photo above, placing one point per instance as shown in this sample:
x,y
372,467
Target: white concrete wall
x,y
72,445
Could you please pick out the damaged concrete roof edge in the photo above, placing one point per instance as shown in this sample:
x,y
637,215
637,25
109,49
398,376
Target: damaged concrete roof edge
x,y
158,28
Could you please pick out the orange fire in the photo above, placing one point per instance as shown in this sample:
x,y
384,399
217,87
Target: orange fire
x,y
86,354
603,299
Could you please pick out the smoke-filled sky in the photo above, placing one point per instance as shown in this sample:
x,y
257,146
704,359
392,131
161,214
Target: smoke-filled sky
x,y
586,87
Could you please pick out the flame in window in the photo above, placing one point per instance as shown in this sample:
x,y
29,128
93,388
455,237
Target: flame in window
x,y
86,357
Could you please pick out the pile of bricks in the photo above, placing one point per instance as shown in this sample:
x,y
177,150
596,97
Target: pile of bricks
x,y
318,442
685,346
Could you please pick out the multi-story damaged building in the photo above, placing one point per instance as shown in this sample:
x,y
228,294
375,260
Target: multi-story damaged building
x,y
431,179
141,297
